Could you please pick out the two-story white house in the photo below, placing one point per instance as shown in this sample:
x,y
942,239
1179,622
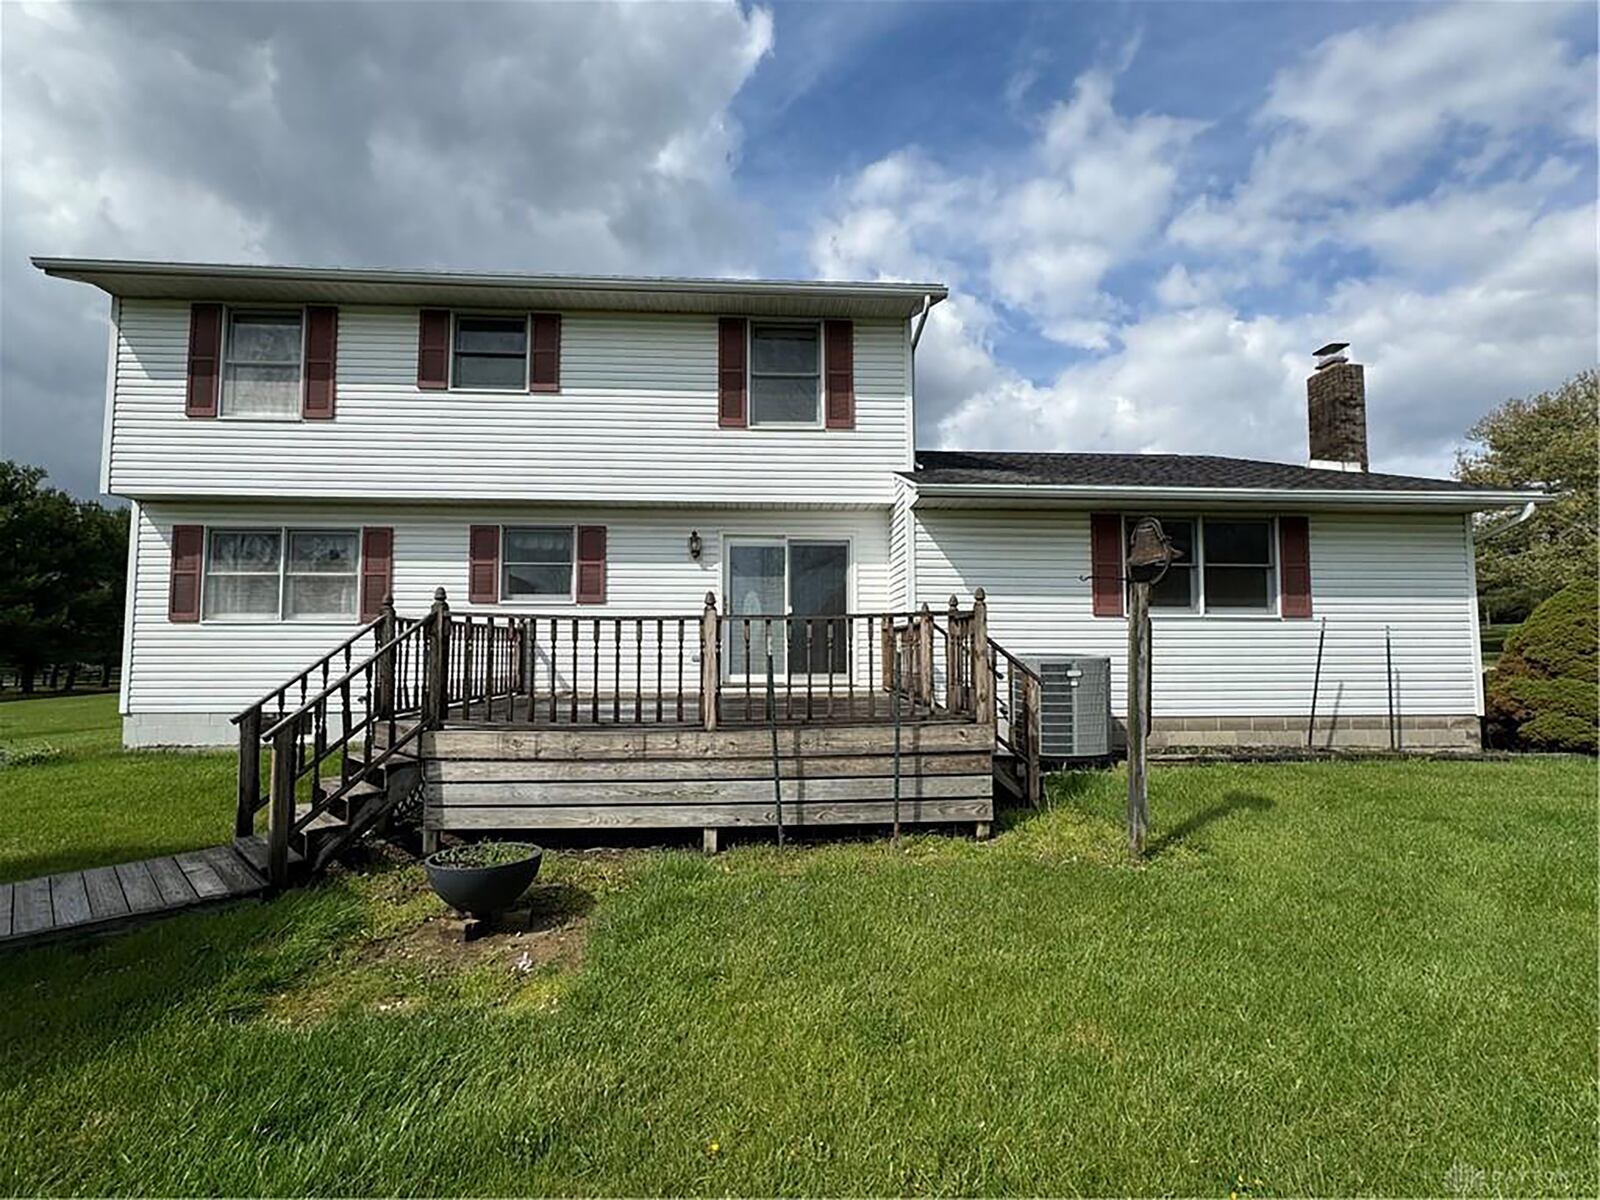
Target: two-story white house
x,y
298,444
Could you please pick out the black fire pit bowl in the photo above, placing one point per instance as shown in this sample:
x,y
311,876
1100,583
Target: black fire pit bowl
x,y
483,878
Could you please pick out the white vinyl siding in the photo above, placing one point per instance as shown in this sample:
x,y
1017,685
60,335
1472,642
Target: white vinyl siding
x,y
1411,573
636,420
216,668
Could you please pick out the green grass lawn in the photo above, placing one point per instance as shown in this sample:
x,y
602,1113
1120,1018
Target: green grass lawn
x,y
89,802
1328,978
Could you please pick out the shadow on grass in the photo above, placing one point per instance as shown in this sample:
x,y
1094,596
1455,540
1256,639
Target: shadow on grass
x,y
1230,803
72,1000
546,906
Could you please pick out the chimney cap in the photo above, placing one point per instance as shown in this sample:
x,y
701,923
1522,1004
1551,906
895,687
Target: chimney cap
x,y
1332,353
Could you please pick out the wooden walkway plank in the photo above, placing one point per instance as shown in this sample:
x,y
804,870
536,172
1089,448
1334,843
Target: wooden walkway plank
x,y
105,893
139,886
69,899
30,906
5,910
202,877
171,881
231,869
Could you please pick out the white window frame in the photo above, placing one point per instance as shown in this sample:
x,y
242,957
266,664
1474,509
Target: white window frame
x,y
539,601
225,360
527,351
785,540
750,373
283,532
1197,577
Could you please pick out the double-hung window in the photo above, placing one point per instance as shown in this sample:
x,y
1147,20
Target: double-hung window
x,y
536,563
1223,565
1239,567
785,374
250,576
261,370
490,353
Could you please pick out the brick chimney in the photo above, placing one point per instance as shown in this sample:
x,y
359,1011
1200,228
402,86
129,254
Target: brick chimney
x,y
1336,410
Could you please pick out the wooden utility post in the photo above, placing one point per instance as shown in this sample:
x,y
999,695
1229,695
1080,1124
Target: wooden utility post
x,y
1150,553
1138,715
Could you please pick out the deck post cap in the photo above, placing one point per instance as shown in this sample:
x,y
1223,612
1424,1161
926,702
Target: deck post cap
x,y
979,596
711,600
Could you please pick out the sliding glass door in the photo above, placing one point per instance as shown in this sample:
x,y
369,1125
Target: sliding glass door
x,y
804,585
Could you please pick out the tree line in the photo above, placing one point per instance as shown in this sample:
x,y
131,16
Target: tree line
x,y
63,581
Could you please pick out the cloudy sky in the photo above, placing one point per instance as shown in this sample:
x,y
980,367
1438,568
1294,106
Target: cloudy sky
x,y
1149,214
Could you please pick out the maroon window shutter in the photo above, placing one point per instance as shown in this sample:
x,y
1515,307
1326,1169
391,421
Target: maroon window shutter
x,y
183,590
544,363
205,360
433,349
1294,565
731,379
377,569
1105,559
483,564
322,352
591,564
839,350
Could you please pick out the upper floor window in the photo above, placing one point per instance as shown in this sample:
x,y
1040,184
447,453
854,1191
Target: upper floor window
x,y
536,563
262,365
1225,564
491,353
785,374
249,577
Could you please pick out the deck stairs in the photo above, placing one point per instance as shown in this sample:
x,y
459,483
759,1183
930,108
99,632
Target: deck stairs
x,y
342,815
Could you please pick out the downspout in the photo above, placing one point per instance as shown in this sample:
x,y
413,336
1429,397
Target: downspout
x,y
910,540
922,319
1480,536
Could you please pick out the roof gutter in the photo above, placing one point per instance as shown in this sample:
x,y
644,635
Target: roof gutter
x,y
1328,497
79,269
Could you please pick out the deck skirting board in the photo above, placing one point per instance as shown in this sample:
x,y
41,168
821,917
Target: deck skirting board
x,y
506,779
949,810
642,742
709,791
631,770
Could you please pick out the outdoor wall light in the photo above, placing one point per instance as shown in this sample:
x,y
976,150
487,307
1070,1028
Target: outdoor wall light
x,y
695,545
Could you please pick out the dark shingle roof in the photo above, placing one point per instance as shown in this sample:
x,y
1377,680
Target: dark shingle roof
x,y
1156,470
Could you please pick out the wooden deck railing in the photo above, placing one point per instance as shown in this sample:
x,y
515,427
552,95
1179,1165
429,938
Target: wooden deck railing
x,y
710,669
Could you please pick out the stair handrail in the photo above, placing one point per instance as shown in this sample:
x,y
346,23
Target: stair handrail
x,y
414,627
1022,710
288,683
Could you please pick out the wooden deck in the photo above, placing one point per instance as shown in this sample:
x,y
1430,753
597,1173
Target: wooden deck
x,y
481,776
101,899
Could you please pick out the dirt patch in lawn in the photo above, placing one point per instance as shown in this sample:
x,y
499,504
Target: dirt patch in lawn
x,y
550,926
420,955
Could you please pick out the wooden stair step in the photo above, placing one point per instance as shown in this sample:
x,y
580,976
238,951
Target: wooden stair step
x,y
325,821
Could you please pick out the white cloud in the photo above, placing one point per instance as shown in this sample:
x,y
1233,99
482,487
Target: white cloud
x,y
1359,117
1481,288
538,137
